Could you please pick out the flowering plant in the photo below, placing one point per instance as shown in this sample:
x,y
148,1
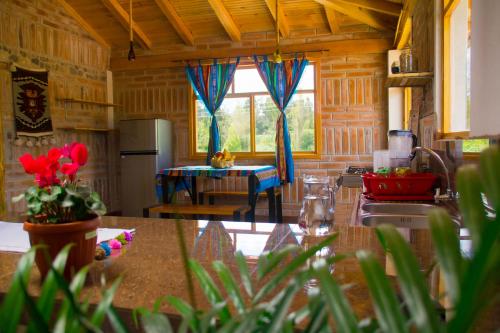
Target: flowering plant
x,y
56,200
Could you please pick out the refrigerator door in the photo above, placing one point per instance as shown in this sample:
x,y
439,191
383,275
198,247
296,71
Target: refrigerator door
x,y
138,183
138,135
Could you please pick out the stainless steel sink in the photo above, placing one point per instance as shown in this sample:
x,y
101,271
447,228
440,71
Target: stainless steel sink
x,y
401,215
397,208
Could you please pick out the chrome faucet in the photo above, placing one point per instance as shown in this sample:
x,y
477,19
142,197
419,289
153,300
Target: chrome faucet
x,y
449,193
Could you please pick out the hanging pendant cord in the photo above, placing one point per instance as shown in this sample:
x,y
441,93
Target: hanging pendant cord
x,y
131,32
277,25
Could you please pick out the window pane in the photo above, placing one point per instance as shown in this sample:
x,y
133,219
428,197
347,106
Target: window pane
x,y
266,114
234,125
248,80
307,79
459,68
300,116
475,146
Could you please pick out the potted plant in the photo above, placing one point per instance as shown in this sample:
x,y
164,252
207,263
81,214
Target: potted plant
x,y
60,210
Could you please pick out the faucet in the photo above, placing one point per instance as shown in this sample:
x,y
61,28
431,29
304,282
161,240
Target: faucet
x,y
449,193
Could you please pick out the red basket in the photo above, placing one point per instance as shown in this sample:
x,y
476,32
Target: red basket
x,y
412,184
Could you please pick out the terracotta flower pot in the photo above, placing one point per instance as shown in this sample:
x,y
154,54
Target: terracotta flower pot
x,y
81,233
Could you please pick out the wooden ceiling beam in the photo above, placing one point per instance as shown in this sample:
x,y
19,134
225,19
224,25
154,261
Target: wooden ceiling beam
x,y
176,58
381,6
403,31
87,27
283,23
123,17
226,20
175,20
360,14
333,20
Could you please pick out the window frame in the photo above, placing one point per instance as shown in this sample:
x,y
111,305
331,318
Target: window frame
x,y
448,8
316,154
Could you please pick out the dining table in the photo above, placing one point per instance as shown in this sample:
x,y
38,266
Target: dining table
x,y
260,178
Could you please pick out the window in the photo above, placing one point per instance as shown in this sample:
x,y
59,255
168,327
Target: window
x,y
247,117
456,74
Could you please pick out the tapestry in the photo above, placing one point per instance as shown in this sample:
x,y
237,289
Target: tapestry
x,y
31,103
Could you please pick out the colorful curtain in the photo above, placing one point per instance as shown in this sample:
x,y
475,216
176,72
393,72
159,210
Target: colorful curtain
x,y
211,82
281,80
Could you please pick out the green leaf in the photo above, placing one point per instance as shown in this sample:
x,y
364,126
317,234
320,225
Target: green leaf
x,y
187,312
384,299
155,323
12,306
345,320
447,247
489,169
39,324
479,280
210,289
317,312
230,285
295,264
244,273
46,300
267,262
281,309
471,206
410,280
116,321
105,303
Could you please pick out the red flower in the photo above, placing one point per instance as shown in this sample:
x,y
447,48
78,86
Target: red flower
x,y
79,154
28,163
70,169
66,150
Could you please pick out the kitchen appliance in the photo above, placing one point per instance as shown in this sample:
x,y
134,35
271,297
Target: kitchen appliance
x,y
145,148
318,206
401,143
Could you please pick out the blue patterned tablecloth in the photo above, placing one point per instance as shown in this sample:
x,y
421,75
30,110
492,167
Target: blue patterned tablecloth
x,y
267,175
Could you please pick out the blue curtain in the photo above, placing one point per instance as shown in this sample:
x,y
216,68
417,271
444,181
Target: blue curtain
x,y
210,83
281,80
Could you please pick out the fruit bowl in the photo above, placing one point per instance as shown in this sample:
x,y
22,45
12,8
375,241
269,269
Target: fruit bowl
x,y
222,160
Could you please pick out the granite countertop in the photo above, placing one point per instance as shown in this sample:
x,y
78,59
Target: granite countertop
x,y
151,264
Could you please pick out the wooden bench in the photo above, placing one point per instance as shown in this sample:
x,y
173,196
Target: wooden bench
x,y
188,209
275,207
211,194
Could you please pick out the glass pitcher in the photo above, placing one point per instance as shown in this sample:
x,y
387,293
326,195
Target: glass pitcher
x,y
318,206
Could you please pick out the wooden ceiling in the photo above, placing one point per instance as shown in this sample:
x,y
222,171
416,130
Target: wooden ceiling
x,y
163,26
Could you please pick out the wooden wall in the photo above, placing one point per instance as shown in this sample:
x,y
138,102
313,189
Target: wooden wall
x,y
42,34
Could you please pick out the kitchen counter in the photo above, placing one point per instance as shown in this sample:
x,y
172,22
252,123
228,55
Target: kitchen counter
x,y
151,264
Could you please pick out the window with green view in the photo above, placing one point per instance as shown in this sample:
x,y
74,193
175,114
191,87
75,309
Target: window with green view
x,y
247,117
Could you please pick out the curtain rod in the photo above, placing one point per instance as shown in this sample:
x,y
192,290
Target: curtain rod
x,y
249,56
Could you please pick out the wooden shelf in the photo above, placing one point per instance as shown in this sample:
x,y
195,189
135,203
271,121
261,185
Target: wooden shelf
x,y
409,79
87,129
82,101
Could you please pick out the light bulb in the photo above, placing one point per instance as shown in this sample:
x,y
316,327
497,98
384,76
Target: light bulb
x,y
131,53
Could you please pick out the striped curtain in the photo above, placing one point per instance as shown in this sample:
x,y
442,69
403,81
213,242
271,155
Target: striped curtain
x,y
211,83
281,80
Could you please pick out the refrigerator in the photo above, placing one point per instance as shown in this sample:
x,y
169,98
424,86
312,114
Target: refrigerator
x,y
145,148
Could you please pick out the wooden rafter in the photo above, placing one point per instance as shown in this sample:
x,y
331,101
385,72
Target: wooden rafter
x,y
333,20
73,13
360,14
283,24
403,31
123,17
175,59
180,27
381,6
226,19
